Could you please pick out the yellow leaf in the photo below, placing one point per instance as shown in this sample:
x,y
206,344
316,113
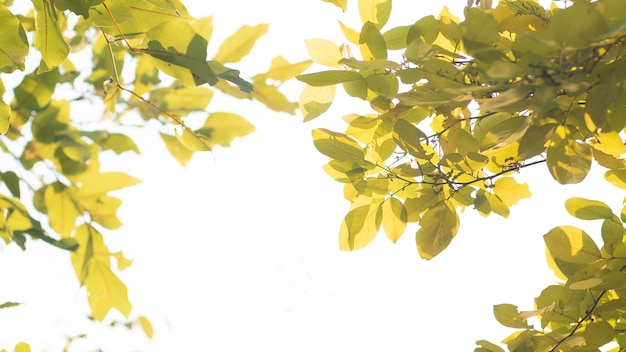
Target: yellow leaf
x,y
342,4
238,45
324,52
146,326
101,183
314,101
62,212
271,97
438,226
375,11
22,347
204,27
122,262
178,151
349,33
106,291
509,191
394,218
282,70
360,226
222,128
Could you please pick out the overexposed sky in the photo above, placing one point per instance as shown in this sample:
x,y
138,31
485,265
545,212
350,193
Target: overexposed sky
x,y
238,251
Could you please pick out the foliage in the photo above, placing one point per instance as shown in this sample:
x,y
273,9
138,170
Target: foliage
x,y
459,107
148,57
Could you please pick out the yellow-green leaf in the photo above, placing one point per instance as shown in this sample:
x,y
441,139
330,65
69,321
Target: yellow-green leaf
x,y
314,101
598,333
270,96
394,218
326,78
371,37
616,177
324,52
193,141
509,316
587,209
5,112
337,145
569,161
105,291
572,245
238,45
359,227
48,37
438,227
586,284
13,43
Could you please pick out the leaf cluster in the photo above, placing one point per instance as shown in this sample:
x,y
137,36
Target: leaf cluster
x,y
460,106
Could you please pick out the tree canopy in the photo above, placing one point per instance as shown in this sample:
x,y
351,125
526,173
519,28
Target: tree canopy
x,y
457,108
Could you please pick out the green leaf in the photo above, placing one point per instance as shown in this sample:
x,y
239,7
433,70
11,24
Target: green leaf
x,y
181,101
221,128
396,38
9,305
371,64
238,45
587,209
438,227
486,346
584,285
13,44
337,145
598,333
572,245
394,218
48,36
509,316
371,37
616,177
326,78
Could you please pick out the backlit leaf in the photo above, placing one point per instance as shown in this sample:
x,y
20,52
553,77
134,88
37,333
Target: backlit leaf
x,y
238,45
616,177
62,212
438,226
342,4
572,245
105,291
178,151
375,11
326,78
569,161
101,183
509,316
359,227
13,44
587,209
586,284
337,145
221,128
314,101
5,112
193,141
394,218
282,70
324,52
146,326
371,37
48,37
509,191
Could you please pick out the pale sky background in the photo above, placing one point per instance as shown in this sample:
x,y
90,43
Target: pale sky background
x,y
238,252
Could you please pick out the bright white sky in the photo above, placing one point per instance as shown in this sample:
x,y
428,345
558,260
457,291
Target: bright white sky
x,y
238,252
